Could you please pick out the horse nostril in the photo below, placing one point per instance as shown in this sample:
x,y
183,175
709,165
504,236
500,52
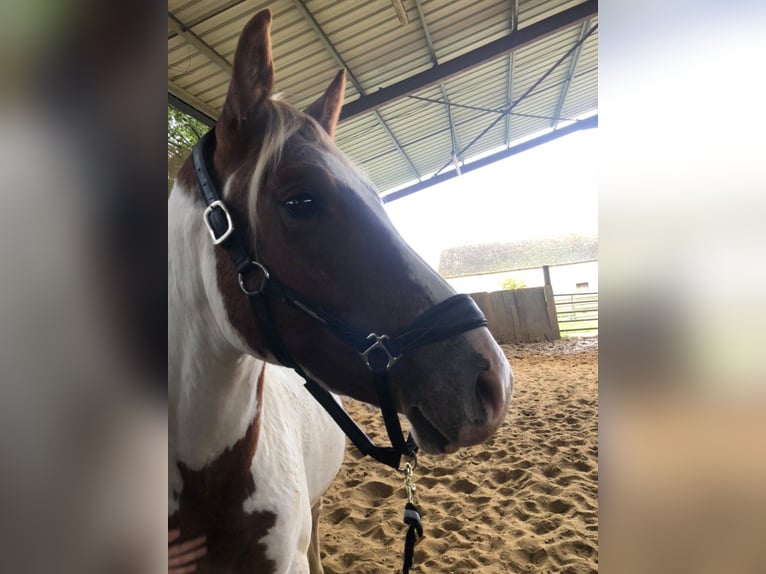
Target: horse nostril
x,y
488,408
490,393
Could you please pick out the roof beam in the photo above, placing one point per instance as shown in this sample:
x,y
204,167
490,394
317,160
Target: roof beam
x,y
435,62
523,96
514,16
396,143
401,12
508,100
309,17
588,123
219,10
498,111
570,75
191,105
471,59
203,47
426,32
509,88
453,133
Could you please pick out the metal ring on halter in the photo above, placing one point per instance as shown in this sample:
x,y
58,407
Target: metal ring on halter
x,y
260,289
378,344
410,465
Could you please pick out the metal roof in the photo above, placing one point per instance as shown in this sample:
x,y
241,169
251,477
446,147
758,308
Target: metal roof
x,y
431,83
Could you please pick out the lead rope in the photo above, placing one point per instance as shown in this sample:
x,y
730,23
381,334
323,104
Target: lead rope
x,y
379,360
411,518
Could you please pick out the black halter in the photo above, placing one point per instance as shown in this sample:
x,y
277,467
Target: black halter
x,y
378,352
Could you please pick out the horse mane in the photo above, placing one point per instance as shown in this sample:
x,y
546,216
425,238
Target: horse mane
x,y
280,122
283,123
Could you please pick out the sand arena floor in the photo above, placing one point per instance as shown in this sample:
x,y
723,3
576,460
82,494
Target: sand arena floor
x,y
527,501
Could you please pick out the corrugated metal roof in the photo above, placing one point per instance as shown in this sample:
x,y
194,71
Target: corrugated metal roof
x,y
413,136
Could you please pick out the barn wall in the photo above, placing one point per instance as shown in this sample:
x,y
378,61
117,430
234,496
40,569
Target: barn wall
x,y
565,278
520,315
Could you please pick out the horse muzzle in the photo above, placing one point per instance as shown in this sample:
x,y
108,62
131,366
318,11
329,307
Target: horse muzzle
x,y
467,413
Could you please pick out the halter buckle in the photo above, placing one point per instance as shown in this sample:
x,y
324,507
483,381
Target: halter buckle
x,y
218,204
378,344
262,286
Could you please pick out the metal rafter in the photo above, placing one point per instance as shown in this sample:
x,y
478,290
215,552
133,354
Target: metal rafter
x,y
523,96
452,131
309,17
588,123
203,47
499,111
583,12
435,62
189,104
570,75
509,88
514,16
522,37
204,18
467,121
508,100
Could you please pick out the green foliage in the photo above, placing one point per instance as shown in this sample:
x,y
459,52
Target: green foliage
x,y
512,283
183,133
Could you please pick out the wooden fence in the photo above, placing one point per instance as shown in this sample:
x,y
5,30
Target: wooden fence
x,y
520,315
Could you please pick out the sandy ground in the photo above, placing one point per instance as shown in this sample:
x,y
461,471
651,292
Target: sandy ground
x,y
527,501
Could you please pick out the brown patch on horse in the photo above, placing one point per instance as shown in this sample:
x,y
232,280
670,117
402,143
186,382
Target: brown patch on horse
x,y
237,305
211,504
239,168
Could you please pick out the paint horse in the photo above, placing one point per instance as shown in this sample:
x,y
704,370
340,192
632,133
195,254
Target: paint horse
x,y
250,453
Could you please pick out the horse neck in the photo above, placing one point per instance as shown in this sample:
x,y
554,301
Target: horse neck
x,y
212,391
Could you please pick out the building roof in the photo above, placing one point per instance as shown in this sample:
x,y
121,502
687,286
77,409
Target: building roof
x,y
428,80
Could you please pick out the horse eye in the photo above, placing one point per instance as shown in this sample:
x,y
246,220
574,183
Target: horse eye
x,y
301,206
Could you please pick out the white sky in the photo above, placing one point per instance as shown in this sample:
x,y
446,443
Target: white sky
x,y
549,190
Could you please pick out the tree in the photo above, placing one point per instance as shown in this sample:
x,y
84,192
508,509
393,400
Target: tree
x,y
183,133
511,283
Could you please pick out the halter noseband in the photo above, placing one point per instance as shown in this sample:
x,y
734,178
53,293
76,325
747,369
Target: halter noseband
x,y
379,353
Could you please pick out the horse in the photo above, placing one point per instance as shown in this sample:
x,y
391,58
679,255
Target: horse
x,y
250,452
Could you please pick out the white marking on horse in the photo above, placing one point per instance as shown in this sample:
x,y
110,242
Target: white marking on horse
x,y
213,401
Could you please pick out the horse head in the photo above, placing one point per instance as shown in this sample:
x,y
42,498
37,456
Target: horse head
x,y
315,222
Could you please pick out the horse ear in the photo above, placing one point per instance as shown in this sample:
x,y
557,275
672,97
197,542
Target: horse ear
x,y
252,76
326,109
